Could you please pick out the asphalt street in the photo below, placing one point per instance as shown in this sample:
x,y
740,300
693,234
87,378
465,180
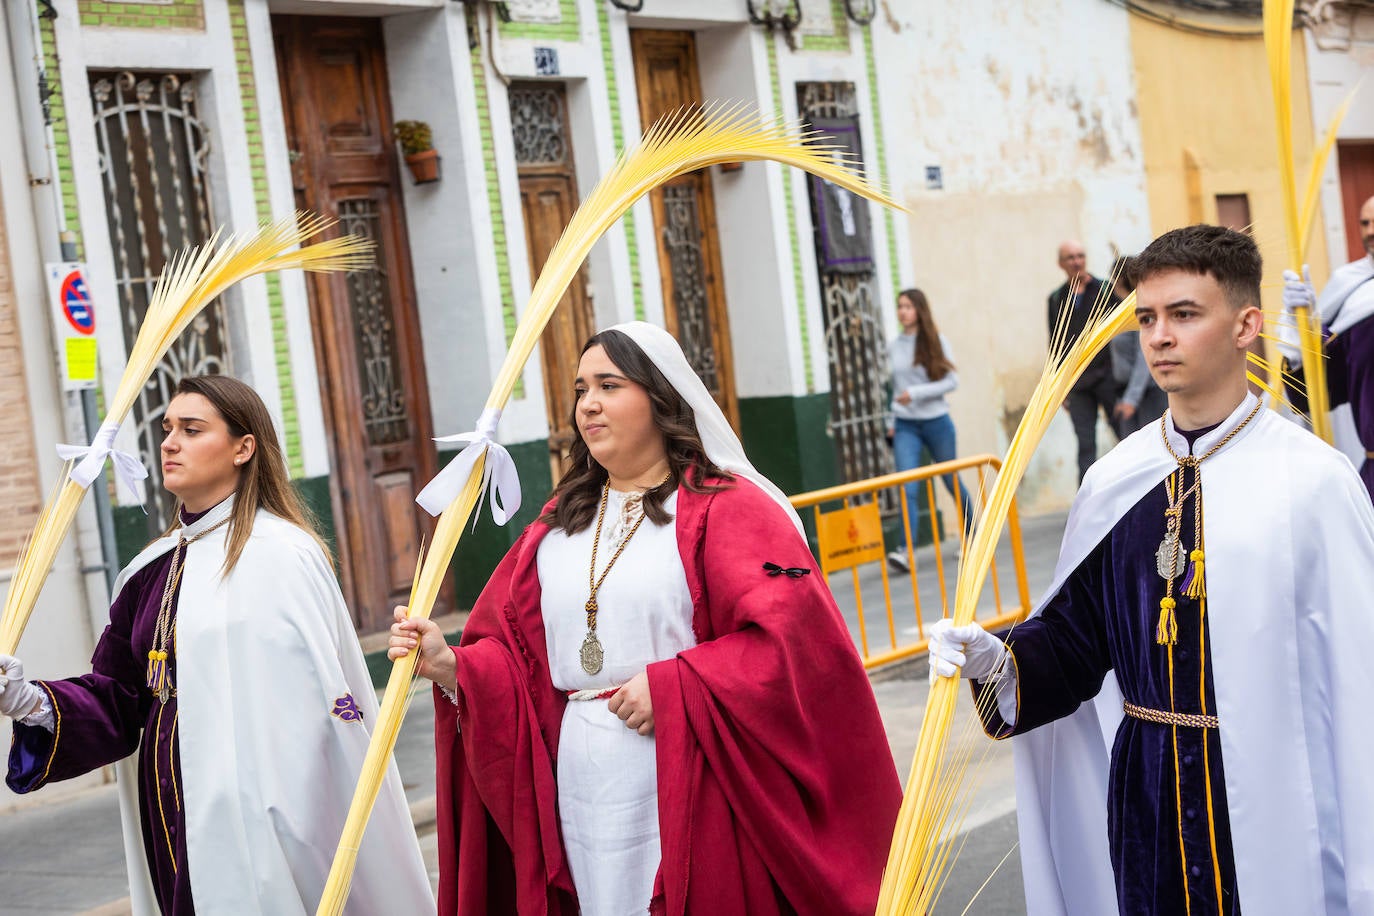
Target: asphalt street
x,y
65,856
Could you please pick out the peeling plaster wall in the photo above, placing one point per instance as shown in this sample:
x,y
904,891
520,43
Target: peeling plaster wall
x,y
1029,111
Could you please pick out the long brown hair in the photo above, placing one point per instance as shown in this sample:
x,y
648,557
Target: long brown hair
x,y
930,353
579,491
263,480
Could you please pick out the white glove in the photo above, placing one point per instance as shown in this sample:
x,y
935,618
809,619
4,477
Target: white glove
x,y
981,656
18,697
970,648
1297,293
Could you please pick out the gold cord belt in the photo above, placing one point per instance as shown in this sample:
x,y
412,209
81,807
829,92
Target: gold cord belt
x,y
1369,455
1162,717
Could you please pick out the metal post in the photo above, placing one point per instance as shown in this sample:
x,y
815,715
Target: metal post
x,y
103,512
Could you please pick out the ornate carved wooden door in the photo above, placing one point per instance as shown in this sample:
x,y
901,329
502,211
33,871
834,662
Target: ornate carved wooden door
x,y
367,342
685,217
548,197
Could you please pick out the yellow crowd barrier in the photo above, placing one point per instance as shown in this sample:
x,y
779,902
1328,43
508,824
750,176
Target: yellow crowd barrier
x,y
850,535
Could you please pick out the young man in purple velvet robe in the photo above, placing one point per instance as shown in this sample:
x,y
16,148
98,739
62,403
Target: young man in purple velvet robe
x,y
1346,308
242,781
1233,635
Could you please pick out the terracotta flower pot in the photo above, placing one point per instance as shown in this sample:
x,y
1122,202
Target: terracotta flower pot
x,y
424,167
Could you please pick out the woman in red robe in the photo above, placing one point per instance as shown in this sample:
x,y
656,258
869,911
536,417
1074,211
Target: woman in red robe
x,y
721,749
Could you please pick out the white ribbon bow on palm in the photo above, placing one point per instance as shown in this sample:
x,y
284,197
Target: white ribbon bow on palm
x,y
498,473
127,467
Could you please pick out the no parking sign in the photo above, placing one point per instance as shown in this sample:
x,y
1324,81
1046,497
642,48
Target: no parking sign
x,y
74,323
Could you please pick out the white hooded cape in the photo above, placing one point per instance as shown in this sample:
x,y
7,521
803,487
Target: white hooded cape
x,y
1347,300
1290,608
267,770
1348,297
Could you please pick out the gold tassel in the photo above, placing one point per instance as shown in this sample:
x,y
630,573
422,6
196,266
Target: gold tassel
x,y
1197,587
157,670
1166,633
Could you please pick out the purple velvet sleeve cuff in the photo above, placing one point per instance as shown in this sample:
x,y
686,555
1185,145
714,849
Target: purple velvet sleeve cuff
x,y
32,750
987,701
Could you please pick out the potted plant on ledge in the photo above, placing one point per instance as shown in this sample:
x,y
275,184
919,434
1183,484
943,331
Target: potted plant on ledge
x,y
417,144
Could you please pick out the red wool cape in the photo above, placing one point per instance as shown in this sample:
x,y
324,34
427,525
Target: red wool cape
x,y
777,792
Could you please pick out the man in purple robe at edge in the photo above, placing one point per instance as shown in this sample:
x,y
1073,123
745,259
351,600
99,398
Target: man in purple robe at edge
x,y
1346,308
231,666
1189,698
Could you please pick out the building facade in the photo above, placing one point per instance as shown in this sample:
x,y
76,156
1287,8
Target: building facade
x,y
146,124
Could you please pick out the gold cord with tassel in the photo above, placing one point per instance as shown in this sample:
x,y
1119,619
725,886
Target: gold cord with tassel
x,y
1167,556
1166,631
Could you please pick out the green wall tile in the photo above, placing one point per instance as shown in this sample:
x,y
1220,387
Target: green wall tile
x,y
566,29
838,40
179,14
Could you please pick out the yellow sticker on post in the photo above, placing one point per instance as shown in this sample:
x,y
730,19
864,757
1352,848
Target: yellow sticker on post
x,y
850,536
81,359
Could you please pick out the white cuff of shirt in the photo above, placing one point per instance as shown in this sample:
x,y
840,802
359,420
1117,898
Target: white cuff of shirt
x,y
43,717
1002,682
1006,699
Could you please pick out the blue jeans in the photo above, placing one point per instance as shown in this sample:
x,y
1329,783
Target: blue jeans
x,y
937,437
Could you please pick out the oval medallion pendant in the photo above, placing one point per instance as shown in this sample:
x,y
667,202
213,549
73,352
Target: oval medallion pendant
x,y
592,655
1170,560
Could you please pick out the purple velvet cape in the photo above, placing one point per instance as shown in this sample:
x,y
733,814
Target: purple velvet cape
x,y
104,716
1169,835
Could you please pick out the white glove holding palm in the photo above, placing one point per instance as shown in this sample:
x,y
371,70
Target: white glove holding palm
x,y
18,697
1297,293
969,650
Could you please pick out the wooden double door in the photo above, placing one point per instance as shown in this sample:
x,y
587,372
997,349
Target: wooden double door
x,y
685,219
333,78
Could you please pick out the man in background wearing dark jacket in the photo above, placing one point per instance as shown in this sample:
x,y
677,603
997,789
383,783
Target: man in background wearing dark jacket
x,y
1096,389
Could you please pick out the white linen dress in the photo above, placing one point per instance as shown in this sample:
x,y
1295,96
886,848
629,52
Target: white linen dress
x,y
607,773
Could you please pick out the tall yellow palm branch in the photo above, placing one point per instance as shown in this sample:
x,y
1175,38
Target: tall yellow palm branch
x,y
1299,216
935,800
191,281
690,139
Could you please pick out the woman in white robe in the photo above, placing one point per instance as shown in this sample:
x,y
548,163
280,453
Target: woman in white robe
x,y
235,619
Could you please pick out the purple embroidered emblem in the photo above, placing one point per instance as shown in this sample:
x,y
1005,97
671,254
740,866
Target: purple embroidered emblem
x,y
346,709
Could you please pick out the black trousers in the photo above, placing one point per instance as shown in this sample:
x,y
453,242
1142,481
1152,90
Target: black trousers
x,y
1084,403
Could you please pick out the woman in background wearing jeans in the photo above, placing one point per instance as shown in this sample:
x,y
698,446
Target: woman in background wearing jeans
x,y
922,374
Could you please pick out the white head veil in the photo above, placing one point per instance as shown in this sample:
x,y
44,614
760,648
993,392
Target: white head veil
x,y
722,446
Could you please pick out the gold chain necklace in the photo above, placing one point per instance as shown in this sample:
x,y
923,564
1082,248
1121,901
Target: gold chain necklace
x,y
1169,557
593,655
158,678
